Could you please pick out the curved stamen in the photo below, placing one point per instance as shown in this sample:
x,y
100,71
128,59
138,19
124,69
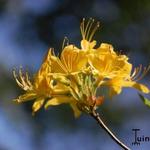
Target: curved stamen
x,y
87,26
23,80
82,28
16,78
65,42
88,30
138,74
94,31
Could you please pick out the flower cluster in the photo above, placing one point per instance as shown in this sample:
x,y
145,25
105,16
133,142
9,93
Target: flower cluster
x,y
75,76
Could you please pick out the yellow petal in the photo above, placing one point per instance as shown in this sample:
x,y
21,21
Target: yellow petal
x,y
37,105
45,67
137,86
43,86
87,46
48,56
60,89
57,66
42,80
76,111
117,84
26,97
73,59
58,100
115,90
105,48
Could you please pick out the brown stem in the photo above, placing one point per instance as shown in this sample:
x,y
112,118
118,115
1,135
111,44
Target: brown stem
x,y
97,117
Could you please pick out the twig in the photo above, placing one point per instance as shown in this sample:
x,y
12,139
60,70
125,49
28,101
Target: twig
x,y
97,117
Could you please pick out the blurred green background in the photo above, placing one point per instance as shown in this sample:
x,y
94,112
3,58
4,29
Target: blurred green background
x,y
27,29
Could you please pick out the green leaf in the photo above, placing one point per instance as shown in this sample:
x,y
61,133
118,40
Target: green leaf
x,y
145,100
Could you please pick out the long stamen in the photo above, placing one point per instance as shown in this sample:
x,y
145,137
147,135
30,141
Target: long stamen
x,y
82,28
134,73
88,30
22,80
16,78
22,76
146,69
94,31
65,42
137,75
28,79
137,72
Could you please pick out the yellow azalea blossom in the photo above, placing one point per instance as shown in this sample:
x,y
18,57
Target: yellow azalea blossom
x,y
42,86
40,89
113,69
108,64
75,76
116,68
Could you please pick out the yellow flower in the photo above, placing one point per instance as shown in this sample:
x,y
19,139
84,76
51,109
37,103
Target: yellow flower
x,y
112,69
115,70
43,89
75,76
108,64
42,86
71,61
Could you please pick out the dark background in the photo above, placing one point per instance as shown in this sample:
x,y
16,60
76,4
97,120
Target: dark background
x,y
27,29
